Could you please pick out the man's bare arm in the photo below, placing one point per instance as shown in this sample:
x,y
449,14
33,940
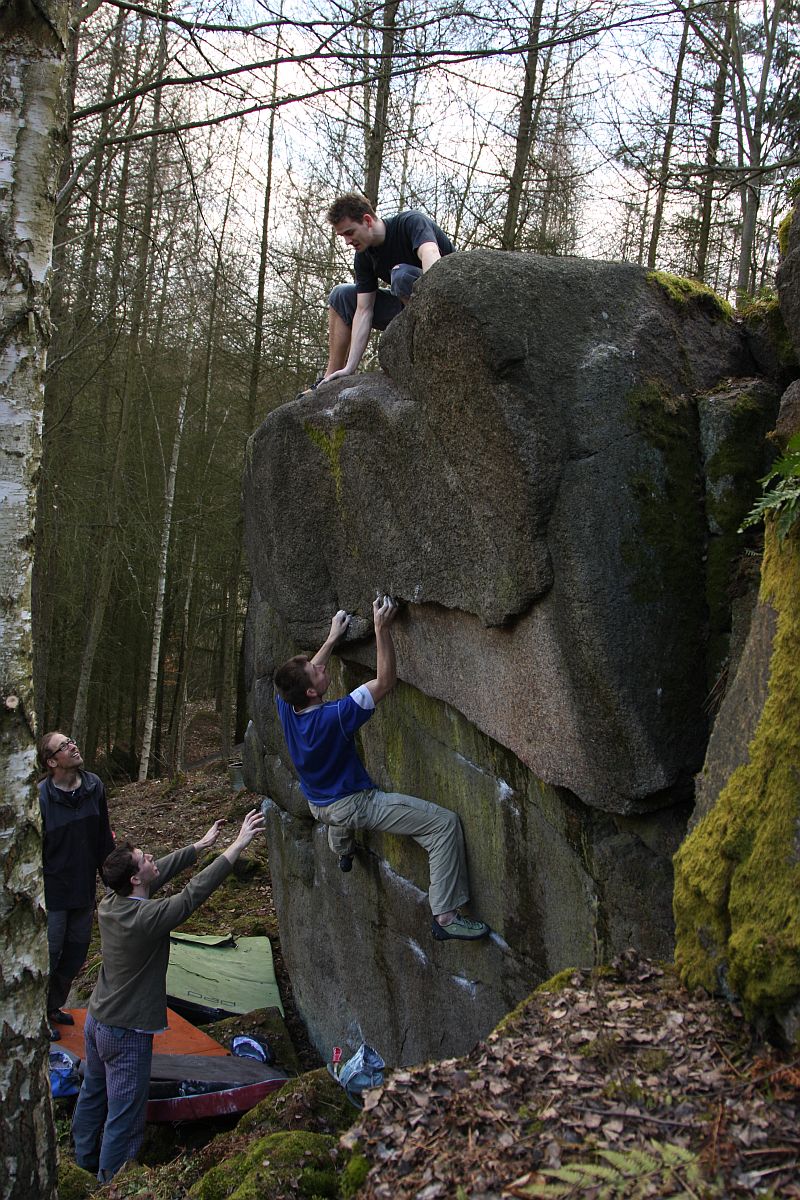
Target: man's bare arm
x,y
359,334
339,624
428,253
384,611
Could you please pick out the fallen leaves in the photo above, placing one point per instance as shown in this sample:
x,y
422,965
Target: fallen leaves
x,y
615,1064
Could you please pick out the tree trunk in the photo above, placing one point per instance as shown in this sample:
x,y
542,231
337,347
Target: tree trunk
x,y
32,137
663,174
752,113
161,582
377,134
177,721
230,659
525,131
712,147
102,588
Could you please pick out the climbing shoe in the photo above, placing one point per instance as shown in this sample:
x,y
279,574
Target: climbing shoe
x,y
311,387
345,862
460,929
59,1017
55,1036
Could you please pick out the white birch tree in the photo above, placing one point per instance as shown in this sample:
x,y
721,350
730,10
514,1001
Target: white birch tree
x,y
33,46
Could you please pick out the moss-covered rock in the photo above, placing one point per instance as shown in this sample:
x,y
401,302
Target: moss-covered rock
x,y
768,337
353,1176
314,1101
690,292
274,1168
734,421
73,1182
733,931
265,1024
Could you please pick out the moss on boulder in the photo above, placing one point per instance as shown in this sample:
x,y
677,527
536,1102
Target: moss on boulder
x,y
273,1168
353,1175
314,1100
733,932
265,1024
73,1182
684,292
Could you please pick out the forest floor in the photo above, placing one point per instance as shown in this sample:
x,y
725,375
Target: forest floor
x,y
608,1083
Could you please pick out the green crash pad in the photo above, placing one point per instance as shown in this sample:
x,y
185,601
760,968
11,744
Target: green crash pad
x,y
235,975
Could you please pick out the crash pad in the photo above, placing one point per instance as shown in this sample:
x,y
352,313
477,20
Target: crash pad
x,y
211,976
180,1037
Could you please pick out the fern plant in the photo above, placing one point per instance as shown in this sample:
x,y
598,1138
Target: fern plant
x,y
671,1170
782,499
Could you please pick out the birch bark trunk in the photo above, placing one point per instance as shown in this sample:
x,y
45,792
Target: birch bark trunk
x,y
33,48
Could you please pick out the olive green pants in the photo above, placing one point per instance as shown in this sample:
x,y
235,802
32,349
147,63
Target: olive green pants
x,y
436,829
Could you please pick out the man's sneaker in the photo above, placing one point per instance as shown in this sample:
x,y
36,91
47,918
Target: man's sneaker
x,y
460,929
59,1017
311,387
345,862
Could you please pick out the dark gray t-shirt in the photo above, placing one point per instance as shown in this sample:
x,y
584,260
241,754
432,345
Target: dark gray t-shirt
x,y
404,234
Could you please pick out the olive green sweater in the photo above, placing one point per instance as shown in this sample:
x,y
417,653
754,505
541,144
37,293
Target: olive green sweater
x,y
131,989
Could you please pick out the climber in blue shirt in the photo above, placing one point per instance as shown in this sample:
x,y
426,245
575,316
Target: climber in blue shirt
x,y
320,736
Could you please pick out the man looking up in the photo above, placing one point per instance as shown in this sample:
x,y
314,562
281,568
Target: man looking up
x,y
76,840
320,737
397,250
129,1001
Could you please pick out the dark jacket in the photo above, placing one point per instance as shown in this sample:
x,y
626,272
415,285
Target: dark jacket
x,y
77,840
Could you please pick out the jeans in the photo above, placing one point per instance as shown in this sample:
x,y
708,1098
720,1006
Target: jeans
x,y
108,1122
344,297
69,931
436,829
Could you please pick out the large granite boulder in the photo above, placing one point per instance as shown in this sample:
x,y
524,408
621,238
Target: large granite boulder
x,y
789,279
529,476
530,483
738,873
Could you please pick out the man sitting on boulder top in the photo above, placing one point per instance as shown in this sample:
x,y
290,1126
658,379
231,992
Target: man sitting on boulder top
x,y
320,737
129,1002
397,250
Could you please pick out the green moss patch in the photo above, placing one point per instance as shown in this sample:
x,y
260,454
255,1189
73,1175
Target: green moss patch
x,y
684,293
73,1182
313,1100
353,1176
783,233
273,1168
331,446
737,876
761,316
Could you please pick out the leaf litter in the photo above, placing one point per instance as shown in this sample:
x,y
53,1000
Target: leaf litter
x,y
621,1083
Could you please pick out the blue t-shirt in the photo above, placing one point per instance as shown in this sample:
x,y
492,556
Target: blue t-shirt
x,y
321,743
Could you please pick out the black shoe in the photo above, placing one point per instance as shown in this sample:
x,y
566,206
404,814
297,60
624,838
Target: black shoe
x,y
59,1017
55,1036
312,387
345,862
